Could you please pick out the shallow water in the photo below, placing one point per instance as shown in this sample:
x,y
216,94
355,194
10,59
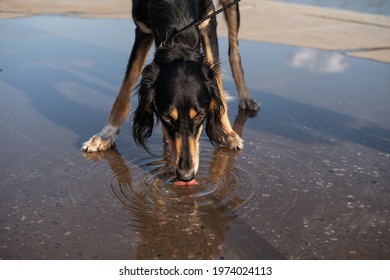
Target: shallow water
x,y
311,183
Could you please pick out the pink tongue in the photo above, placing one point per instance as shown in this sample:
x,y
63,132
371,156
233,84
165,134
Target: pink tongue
x,y
193,182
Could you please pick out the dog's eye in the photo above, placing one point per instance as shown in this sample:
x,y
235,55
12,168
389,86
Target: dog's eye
x,y
199,117
167,118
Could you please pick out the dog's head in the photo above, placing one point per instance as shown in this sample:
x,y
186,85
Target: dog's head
x,y
179,89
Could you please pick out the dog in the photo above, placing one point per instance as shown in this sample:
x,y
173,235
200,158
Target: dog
x,y
182,87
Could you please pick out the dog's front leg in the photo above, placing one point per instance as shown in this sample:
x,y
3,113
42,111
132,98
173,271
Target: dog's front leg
x,y
209,38
107,136
232,16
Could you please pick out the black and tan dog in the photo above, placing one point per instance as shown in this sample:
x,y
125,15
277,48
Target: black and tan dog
x,y
182,87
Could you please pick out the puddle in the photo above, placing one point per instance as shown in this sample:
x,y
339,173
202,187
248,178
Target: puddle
x,y
189,222
311,183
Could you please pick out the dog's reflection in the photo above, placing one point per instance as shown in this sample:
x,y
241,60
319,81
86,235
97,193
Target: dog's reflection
x,y
189,226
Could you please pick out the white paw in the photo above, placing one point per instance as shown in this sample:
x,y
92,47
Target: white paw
x,y
236,143
95,144
102,141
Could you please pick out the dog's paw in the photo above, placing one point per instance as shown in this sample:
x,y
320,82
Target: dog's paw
x,y
236,143
96,143
249,104
101,141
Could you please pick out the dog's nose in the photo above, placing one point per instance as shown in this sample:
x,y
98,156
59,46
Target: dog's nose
x,y
185,175
184,170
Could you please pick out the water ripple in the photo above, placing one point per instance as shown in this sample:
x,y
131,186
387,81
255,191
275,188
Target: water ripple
x,y
152,178
187,222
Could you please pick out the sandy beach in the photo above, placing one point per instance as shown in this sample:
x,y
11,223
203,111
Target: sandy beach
x,y
355,34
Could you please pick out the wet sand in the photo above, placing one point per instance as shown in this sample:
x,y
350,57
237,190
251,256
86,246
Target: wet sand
x,y
311,183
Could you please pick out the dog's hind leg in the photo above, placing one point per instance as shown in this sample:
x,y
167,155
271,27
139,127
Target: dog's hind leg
x,y
232,16
209,38
107,136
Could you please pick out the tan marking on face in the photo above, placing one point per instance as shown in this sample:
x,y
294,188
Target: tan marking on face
x,y
177,145
194,149
174,114
193,113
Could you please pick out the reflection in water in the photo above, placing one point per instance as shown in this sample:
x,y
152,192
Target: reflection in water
x,y
197,222
318,61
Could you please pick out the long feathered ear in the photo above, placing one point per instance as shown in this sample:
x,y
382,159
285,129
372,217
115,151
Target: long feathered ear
x,y
143,117
214,127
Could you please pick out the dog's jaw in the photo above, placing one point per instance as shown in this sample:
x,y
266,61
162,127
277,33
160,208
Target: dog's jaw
x,y
102,141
